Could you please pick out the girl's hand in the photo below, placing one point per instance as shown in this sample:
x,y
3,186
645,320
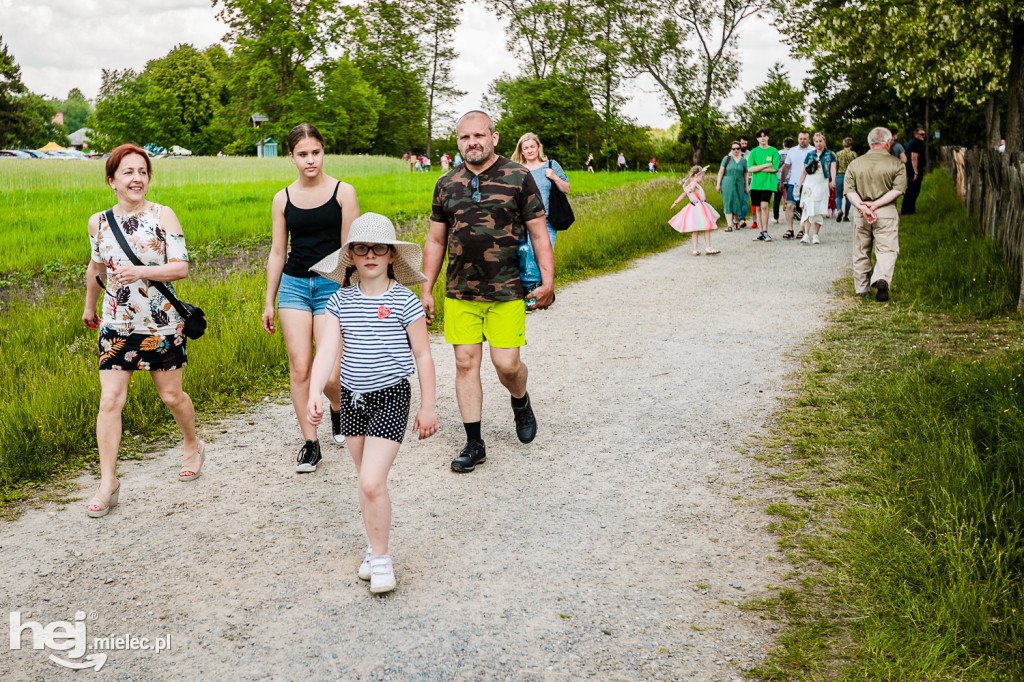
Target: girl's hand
x,y
268,319
315,410
126,274
90,319
718,188
426,422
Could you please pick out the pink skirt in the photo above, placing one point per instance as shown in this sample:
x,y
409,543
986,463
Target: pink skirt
x,y
698,217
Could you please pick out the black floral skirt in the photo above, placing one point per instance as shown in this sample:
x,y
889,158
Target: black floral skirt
x,y
143,352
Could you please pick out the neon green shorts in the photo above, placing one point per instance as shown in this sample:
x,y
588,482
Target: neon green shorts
x,y
502,323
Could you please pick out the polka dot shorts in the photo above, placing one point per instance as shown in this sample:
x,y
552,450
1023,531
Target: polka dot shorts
x,y
379,414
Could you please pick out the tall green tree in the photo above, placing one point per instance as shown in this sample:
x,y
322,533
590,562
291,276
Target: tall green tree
x,y
13,116
559,112
130,107
970,53
693,82
544,34
77,110
189,76
384,44
276,44
775,105
350,110
438,24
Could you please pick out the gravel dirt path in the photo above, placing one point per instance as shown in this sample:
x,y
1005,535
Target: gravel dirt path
x,y
615,546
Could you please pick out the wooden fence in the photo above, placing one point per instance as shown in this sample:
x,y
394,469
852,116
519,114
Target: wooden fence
x,y
991,183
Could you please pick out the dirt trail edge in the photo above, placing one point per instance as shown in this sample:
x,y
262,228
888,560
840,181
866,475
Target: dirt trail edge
x,y
615,546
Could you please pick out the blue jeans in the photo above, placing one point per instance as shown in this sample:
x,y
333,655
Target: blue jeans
x,y
842,205
552,233
302,293
746,201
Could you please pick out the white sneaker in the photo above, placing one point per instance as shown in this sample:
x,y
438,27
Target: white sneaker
x,y
806,239
364,568
382,574
815,240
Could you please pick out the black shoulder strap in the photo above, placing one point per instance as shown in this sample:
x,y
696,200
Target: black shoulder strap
x,y
159,286
336,190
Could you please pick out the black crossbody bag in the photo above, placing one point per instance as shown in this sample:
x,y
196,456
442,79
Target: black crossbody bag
x,y
194,317
560,213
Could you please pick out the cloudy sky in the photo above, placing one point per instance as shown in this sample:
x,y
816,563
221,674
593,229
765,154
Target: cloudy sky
x,y
63,44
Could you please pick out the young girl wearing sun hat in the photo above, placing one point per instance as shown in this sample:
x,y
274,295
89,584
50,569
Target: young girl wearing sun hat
x,y
382,330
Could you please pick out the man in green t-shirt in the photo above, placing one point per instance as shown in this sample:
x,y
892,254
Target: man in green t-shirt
x,y
763,165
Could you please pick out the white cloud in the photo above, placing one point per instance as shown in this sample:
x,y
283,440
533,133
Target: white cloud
x,y
64,44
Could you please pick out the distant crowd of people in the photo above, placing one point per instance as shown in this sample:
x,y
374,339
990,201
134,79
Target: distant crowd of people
x,y
813,183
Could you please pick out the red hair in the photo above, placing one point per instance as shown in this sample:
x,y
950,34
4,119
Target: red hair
x,y
117,156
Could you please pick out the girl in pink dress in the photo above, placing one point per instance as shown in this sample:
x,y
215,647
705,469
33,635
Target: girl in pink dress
x,y
698,215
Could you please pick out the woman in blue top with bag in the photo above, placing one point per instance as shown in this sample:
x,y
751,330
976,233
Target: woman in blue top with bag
x,y
530,152
818,176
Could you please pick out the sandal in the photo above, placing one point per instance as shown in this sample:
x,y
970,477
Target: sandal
x,y
98,510
712,252
728,228
788,234
800,234
696,253
192,474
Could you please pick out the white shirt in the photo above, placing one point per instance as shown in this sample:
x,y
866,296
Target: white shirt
x,y
796,157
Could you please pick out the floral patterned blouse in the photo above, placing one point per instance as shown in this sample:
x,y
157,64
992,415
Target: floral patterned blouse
x,y
843,159
138,308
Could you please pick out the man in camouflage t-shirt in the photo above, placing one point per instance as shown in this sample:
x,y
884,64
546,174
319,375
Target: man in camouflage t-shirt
x,y
480,212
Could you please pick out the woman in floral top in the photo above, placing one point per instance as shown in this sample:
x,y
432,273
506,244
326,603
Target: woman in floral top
x,y
843,159
139,329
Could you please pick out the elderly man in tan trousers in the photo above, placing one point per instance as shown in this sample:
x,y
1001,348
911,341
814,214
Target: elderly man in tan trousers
x,y
873,183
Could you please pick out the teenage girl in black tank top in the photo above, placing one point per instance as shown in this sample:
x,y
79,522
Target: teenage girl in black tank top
x,y
313,213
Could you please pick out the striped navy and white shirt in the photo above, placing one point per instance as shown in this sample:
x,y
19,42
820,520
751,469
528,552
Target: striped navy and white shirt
x,y
376,347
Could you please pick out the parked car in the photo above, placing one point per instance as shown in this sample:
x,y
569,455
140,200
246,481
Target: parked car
x,y
34,153
14,154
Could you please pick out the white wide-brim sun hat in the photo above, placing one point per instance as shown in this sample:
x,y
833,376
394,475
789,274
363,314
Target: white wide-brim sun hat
x,y
373,228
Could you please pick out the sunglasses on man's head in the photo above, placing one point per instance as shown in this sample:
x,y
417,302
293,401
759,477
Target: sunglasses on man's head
x,y
363,249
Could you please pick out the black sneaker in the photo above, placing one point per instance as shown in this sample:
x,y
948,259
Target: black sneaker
x,y
336,426
309,457
473,453
883,290
526,423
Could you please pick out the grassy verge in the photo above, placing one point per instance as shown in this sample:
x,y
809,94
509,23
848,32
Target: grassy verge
x,y
905,455
45,206
48,359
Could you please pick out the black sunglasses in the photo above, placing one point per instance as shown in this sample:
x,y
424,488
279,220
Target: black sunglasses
x,y
363,249
735,149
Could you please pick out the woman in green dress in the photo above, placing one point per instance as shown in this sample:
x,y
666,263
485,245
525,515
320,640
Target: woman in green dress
x,y
732,181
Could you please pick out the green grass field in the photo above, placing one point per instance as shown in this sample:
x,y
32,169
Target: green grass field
x,y
904,451
45,205
48,358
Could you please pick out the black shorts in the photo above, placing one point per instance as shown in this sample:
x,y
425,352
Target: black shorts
x,y
380,414
760,196
141,351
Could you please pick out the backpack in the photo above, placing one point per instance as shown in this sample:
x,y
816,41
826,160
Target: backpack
x,y
560,213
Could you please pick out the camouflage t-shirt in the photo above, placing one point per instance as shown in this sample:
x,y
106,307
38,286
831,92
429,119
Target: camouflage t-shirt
x,y
483,236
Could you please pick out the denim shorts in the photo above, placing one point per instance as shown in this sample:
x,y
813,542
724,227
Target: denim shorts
x,y
789,194
301,293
